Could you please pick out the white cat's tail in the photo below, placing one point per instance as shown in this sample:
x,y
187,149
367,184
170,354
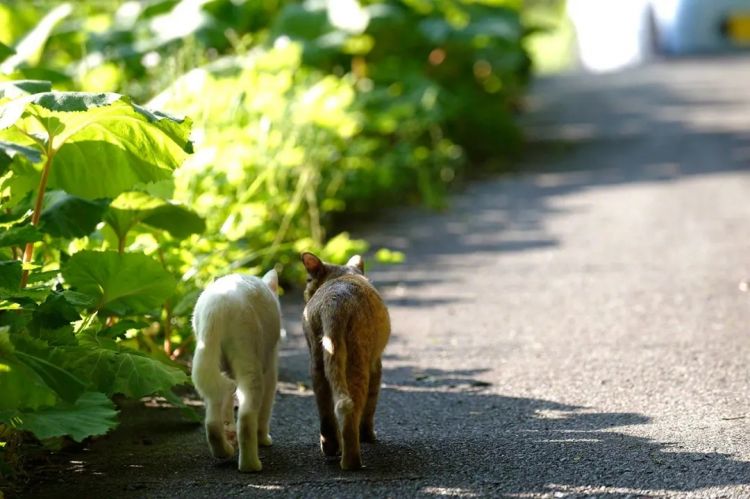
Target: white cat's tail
x,y
207,360
334,363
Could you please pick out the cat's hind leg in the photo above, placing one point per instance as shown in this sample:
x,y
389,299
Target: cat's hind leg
x,y
266,407
329,430
249,393
215,431
367,425
230,428
350,417
215,389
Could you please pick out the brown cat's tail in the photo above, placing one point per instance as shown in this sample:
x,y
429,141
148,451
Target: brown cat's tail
x,y
334,363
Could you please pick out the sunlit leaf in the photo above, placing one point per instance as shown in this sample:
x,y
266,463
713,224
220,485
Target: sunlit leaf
x,y
102,143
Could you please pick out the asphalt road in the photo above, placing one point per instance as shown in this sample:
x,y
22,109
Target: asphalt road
x,y
575,330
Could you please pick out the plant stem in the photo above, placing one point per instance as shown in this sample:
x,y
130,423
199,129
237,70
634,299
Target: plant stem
x,y
28,254
168,310
121,243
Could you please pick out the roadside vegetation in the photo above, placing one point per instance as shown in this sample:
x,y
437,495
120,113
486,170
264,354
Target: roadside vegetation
x,y
148,147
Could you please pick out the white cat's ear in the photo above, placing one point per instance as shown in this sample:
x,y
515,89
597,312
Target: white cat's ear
x,y
312,263
271,278
357,262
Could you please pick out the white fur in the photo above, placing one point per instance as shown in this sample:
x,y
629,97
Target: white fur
x,y
237,318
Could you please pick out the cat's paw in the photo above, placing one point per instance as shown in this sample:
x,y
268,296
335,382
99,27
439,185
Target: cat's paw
x,y
351,463
220,448
265,440
250,465
329,446
368,435
222,451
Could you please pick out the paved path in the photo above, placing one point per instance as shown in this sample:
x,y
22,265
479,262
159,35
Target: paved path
x,y
574,331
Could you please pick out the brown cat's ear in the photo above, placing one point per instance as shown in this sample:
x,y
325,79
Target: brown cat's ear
x,y
312,263
357,262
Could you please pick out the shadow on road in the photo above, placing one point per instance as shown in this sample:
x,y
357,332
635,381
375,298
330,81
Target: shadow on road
x,y
441,433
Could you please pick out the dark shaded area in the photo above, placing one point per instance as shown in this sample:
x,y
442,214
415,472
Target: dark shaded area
x,y
439,431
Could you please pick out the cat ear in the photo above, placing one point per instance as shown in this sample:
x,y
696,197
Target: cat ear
x,y
357,262
312,263
271,278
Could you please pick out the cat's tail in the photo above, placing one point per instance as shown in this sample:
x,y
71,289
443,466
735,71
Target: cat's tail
x,y
334,363
207,360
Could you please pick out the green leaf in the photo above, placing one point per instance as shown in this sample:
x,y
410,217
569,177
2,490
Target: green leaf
x,y
21,386
120,283
18,235
5,51
121,327
70,216
64,384
56,311
179,221
116,369
92,414
10,274
21,295
102,143
78,299
133,207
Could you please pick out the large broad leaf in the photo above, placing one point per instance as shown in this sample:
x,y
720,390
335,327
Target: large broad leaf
x,y
70,216
131,208
102,143
115,369
92,414
20,386
120,283
64,384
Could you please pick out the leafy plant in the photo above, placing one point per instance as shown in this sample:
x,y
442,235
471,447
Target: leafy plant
x,y
66,157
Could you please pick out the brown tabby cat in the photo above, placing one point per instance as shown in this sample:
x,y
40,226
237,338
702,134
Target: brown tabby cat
x,y
347,326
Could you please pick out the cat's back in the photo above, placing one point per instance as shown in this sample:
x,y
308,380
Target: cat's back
x,y
238,293
350,294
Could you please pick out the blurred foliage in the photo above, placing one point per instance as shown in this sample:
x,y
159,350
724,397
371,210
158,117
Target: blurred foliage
x,y
552,41
306,118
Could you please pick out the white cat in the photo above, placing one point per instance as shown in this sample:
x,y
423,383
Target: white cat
x,y
237,324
